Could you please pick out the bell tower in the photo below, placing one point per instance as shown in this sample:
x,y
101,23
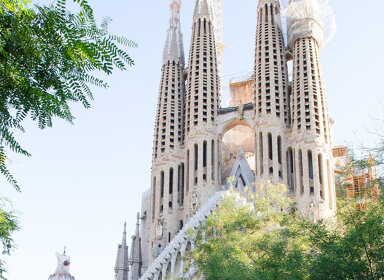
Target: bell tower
x,y
311,133
167,189
271,105
201,105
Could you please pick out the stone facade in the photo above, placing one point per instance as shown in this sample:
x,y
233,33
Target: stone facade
x,y
275,130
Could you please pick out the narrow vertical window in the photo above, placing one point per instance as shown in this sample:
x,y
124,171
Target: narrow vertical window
x,y
270,149
171,181
179,182
182,184
187,179
279,149
154,198
205,154
162,184
320,164
310,164
261,150
196,156
256,157
290,169
301,171
213,159
310,172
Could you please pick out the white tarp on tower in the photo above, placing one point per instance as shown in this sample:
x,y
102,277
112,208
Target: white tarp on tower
x,y
310,18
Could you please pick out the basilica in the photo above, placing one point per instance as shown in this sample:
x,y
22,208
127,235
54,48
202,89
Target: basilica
x,y
276,128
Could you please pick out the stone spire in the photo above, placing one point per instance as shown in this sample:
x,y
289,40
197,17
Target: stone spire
x,y
202,10
62,270
202,101
169,136
311,126
174,49
136,260
122,266
271,93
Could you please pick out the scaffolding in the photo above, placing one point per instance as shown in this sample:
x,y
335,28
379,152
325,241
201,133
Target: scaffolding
x,y
360,182
218,24
310,18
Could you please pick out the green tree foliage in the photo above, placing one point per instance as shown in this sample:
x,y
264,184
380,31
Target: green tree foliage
x,y
258,242
354,248
8,224
48,58
267,241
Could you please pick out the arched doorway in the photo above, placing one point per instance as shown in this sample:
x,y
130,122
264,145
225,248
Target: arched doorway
x,y
237,136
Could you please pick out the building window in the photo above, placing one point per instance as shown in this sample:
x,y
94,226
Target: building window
x,y
301,171
321,179
310,164
270,148
196,156
279,149
205,154
261,150
171,181
213,160
154,198
187,177
162,184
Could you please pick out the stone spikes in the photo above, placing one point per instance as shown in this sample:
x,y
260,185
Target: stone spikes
x,y
174,49
203,9
122,265
136,260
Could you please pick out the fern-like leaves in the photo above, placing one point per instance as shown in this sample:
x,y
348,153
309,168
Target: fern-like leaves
x,y
48,58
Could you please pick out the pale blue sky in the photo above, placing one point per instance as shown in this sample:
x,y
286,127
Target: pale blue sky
x,y
84,181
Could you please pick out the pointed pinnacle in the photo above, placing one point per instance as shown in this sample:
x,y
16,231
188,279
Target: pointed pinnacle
x,y
202,10
138,221
124,241
263,2
174,44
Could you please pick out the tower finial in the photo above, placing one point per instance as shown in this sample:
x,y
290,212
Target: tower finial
x,y
138,224
175,13
136,259
124,241
122,265
174,49
203,9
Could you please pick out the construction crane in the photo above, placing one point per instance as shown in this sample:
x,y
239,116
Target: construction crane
x,y
218,20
